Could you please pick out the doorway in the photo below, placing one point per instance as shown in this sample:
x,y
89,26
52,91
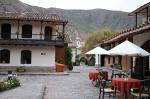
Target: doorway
x,y
5,31
48,33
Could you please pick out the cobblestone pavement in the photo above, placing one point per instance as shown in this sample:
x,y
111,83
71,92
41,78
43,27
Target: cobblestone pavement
x,y
72,86
26,91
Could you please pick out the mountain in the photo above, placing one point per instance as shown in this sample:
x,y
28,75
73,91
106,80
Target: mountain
x,y
88,21
18,6
80,21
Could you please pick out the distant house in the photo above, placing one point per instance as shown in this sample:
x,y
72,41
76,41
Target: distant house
x,y
76,42
139,35
32,40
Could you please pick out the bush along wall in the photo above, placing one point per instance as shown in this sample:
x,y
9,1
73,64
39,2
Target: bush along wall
x,y
13,82
68,56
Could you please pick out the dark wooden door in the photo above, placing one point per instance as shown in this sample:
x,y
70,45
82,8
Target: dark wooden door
x,y
6,31
102,60
48,33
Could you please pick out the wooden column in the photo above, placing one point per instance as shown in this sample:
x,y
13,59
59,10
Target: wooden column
x,y
63,30
147,14
41,32
18,23
136,20
112,57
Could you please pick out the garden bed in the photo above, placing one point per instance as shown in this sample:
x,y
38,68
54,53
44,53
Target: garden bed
x,y
13,82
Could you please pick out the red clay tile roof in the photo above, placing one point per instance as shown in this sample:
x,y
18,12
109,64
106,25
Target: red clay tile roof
x,y
131,31
32,16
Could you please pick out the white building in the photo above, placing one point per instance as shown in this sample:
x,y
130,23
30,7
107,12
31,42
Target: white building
x,y
76,46
30,39
139,35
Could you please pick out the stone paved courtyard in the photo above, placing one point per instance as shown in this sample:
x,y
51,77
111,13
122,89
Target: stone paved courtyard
x,y
72,86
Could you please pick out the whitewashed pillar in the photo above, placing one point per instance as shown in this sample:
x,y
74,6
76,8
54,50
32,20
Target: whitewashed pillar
x,y
97,60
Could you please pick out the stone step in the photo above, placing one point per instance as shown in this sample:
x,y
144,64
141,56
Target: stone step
x,y
38,73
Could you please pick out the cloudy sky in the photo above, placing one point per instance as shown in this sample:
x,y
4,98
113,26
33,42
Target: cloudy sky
x,y
122,5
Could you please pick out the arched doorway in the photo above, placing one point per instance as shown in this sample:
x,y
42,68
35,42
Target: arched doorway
x,y
25,57
4,56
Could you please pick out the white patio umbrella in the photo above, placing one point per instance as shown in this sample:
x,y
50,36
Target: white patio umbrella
x,y
128,49
98,51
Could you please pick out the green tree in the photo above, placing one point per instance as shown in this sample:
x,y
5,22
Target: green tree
x,y
68,56
96,37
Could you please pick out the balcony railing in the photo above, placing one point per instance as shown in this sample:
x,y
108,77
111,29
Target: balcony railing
x,y
34,39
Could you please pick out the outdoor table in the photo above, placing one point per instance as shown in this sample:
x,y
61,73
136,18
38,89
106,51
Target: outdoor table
x,y
125,84
93,75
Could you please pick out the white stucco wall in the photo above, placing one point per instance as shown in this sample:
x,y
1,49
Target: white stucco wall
x,y
97,60
73,54
48,59
36,28
140,39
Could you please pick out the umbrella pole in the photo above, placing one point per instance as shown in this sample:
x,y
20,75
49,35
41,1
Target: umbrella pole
x,y
126,63
131,73
98,60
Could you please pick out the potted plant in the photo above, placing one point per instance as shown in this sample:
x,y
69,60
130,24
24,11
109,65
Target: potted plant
x,y
60,66
111,65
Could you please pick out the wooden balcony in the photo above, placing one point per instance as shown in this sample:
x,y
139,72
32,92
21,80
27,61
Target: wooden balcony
x,y
34,39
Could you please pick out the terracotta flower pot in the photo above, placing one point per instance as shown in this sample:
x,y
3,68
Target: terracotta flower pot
x,y
59,67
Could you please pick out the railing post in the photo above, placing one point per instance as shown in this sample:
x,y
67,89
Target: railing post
x,y
41,30
147,15
136,20
18,29
63,31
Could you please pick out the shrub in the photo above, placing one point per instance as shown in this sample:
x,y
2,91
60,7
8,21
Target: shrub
x,y
9,84
2,86
111,65
14,82
68,56
77,62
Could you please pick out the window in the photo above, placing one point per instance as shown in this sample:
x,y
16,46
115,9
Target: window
x,y
5,56
27,31
25,57
48,33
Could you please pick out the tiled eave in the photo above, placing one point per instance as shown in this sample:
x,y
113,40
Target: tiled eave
x,y
32,17
125,34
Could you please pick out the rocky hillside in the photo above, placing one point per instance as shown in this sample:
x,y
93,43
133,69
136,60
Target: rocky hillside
x,y
87,21
81,21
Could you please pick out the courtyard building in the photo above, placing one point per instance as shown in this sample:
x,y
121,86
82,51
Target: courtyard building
x,y
31,40
139,35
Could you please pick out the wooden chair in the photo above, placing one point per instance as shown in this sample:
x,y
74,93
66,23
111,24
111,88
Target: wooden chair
x,y
143,92
104,89
119,75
